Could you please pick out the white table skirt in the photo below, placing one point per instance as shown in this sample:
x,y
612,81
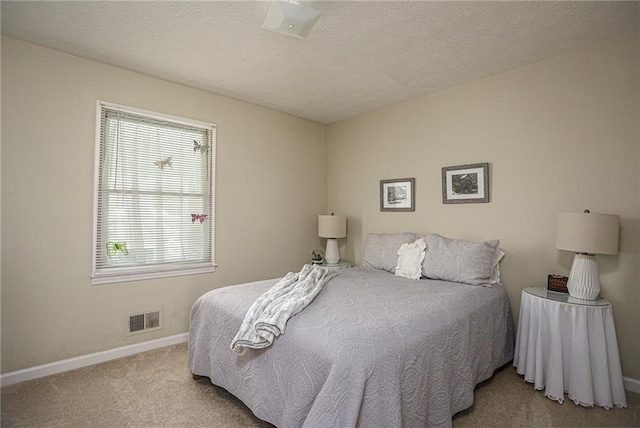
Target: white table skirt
x,y
563,347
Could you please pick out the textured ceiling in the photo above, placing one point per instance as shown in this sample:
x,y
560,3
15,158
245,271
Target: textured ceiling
x,y
360,56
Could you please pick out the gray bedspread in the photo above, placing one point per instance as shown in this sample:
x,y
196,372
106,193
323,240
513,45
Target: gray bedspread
x,y
372,350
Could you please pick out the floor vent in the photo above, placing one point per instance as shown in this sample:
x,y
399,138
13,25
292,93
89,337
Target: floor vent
x,y
144,322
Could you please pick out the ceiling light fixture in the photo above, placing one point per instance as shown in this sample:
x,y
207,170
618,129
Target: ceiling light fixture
x,y
290,19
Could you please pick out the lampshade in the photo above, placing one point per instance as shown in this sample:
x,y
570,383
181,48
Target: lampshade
x,y
588,233
332,226
290,19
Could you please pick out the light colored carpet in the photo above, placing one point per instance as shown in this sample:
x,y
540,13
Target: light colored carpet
x,y
155,389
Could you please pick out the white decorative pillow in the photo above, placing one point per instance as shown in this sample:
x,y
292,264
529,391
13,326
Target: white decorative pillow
x,y
459,261
495,273
381,249
410,257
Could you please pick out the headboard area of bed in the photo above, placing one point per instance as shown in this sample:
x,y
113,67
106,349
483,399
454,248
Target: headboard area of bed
x,y
434,257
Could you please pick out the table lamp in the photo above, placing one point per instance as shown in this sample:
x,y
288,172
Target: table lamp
x,y
586,234
332,227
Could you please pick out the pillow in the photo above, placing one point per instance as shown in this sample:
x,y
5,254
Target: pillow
x,y
410,257
381,249
459,261
495,273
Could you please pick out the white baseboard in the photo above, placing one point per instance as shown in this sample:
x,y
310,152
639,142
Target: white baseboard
x,y
88,360
631,384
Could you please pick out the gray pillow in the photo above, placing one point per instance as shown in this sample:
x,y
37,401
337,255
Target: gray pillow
x,y
459,261
381,249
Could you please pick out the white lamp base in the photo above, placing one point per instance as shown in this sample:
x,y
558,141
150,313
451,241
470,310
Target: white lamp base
x,y
583,280
332,254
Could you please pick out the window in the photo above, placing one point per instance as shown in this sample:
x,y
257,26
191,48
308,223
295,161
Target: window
x,y
153,196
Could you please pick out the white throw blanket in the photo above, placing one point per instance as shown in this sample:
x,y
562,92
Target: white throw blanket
x,y
267,317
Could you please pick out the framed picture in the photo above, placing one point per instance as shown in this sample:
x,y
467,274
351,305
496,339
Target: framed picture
x,y
397,194
465,184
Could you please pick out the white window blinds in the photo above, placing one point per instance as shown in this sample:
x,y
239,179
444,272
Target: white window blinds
x,y
153,195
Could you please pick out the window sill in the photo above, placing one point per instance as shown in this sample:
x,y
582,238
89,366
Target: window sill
x,y
113,277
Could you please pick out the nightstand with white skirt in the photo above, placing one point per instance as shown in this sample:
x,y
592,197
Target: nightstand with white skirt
x,y
339,265
569,345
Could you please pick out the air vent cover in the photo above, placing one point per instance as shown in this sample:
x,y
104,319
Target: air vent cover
x,y
144,322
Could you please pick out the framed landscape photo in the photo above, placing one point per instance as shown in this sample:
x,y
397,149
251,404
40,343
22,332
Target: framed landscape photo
x,y
397,194
465,184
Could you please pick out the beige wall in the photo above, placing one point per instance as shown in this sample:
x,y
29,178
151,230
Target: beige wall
x,y
270,189
561,135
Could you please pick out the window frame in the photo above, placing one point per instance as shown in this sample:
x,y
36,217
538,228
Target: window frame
x,y
135,273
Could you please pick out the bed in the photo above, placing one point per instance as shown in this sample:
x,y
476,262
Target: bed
x,y
372,349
